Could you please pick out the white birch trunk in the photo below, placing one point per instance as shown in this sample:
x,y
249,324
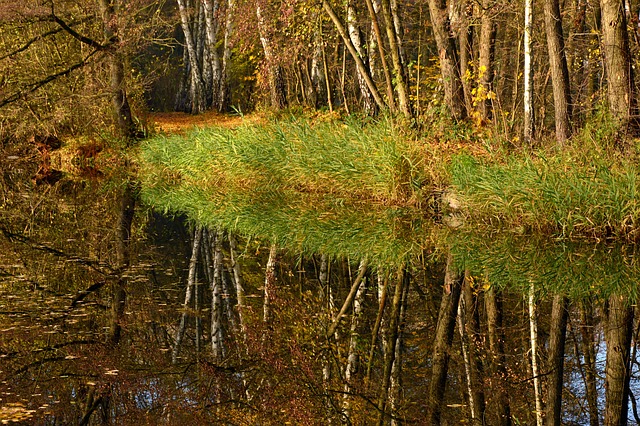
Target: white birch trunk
x,y
528,72
352,357
356,40
396,370
217,337
464,342
211,53
239,282
196,86
224,98
269,283
191,282
533,328
323,277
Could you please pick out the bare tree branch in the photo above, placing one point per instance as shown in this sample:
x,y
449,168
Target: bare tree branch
x,y
32,87
42,36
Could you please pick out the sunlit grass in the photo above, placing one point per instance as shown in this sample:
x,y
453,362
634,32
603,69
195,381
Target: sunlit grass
x,y
567,195
335,188
347,188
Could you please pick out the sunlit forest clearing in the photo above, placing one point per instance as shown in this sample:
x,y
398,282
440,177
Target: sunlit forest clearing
x,y
372,212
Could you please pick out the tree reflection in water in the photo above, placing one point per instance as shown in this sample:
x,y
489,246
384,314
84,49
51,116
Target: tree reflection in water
x,y
451,342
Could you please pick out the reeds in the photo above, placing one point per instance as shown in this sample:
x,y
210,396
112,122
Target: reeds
x,y
335,188
567,195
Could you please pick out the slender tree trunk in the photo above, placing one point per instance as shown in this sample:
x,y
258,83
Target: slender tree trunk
x,y
493,307
355,35
362,269
555,360
535,372
449,61
469,327
383,59
353,357
217,332
460,16
617,59
444,332
325,285
618,329
400,75
395,395
362,68
559,70
588,342
529,118
224,98
239,281
392,339
269,283
197,102
277,84
212,58
191,282
486,58
383,284
318,73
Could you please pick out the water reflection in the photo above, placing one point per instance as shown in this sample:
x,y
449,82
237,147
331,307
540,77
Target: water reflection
x,y
442,335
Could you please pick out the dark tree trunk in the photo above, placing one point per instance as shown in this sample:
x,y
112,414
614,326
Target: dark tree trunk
x,y
486,58
618,327
449,61
125,220
559,70
588,342
615,45
472,329
493,306
555,359
122,111
442,345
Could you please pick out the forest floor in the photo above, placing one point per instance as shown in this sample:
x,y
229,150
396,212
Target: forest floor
x,y
179,122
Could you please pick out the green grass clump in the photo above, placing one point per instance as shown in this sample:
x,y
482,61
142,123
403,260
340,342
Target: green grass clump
x,y
335,188
566,194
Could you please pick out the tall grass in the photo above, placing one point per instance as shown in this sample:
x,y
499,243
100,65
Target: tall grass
x,y
566,194
336,188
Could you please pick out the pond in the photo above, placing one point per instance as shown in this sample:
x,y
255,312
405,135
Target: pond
x,y
111,314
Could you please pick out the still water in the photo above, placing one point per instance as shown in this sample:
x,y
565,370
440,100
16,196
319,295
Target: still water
x,y
197,326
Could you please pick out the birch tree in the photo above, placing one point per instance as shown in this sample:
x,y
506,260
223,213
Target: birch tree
x,y
528,72
533,336
555,359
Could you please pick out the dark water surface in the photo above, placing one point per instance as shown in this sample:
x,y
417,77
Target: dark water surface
x,y
88,339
